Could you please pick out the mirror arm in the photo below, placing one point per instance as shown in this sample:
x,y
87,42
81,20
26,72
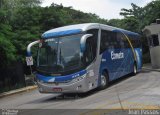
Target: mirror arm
x,y
83,40
29,47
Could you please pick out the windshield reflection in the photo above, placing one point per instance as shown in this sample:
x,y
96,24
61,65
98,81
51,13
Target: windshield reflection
x,y
58,55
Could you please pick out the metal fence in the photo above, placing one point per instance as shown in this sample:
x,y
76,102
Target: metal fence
x,y
12,77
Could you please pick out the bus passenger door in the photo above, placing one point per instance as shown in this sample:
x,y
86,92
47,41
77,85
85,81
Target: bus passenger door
x,y
90,58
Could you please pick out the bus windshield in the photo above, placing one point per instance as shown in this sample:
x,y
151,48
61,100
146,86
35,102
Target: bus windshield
x,y
58,55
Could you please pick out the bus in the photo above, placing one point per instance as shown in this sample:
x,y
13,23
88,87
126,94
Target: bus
x,y
81,57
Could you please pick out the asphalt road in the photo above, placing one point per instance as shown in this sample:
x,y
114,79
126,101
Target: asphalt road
x,y
137,92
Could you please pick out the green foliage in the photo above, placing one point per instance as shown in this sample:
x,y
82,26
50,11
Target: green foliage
x,y
15,33
142,16
7,49
115,22
23,21
152,11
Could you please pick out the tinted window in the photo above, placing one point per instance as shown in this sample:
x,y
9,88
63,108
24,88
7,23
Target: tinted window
x,y
91,47
60,55
124,40
93,40
135,40
120,40
108,40
111,39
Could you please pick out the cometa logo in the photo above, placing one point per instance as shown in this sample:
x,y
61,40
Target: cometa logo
x,y
119,55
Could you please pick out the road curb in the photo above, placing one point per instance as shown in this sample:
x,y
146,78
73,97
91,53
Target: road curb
x,y
17,91
145,68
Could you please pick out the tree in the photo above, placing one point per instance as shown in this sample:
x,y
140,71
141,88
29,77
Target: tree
x,y
115,23
20,3
152,11
1,2
17,28
144,15
7,49
136,11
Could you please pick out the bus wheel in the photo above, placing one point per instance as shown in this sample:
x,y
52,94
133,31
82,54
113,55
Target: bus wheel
x,y
134,69
104,81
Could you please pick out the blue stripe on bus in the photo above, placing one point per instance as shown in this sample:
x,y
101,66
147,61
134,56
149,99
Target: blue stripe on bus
x,y
61,33
60,78
138,52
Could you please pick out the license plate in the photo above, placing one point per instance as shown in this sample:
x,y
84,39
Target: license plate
x,y
57,89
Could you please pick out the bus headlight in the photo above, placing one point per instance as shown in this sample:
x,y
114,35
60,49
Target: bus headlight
x,y
79,78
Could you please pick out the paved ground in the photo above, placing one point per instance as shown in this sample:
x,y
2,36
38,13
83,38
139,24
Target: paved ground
x,y
140,92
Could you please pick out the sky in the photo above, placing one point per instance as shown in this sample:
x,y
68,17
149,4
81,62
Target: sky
x,y
107,9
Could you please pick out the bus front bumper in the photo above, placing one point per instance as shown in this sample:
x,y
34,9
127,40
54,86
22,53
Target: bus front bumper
x,y
71,87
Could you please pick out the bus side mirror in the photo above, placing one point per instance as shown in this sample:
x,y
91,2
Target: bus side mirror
x,y
83,42
29,58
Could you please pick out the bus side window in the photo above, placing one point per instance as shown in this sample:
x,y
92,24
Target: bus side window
x,y
103,44
135,40
112,40
120,40
126,42
107,40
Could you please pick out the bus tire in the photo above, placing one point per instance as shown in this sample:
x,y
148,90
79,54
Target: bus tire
x,y
134,70
104,81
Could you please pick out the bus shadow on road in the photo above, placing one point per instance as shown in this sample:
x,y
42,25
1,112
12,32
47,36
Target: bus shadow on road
x,y
126,77
119,80
64,97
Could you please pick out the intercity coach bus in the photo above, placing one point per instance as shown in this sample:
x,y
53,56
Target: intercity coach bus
x,y
82,57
